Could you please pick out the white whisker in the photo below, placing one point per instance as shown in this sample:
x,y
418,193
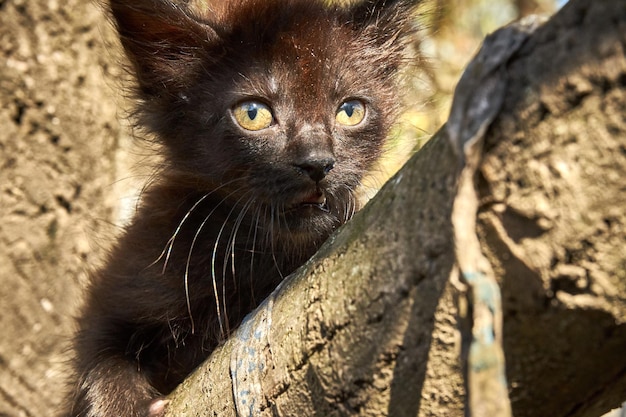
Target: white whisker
x,y
231,242
256,229
272,239
188,263
167,250
222,321
349,205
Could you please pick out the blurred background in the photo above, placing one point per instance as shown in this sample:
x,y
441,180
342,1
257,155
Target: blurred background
x,y
451,33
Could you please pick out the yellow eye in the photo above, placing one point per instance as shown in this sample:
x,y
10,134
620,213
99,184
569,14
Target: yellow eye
x,y
350,113
253,115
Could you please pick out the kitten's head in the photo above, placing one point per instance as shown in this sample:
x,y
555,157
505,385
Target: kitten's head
x,y
282,104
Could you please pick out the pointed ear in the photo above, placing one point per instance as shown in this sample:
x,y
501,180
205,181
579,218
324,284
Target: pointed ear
x,y
385,21
163,40
387,28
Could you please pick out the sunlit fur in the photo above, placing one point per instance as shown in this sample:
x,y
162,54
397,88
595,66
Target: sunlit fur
x,y
232,211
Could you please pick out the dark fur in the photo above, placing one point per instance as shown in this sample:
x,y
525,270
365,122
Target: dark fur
x,y
228,215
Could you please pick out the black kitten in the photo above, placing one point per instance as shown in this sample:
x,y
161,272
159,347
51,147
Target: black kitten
x,y
269,113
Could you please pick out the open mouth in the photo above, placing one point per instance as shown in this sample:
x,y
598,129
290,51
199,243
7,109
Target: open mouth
x,y
314,200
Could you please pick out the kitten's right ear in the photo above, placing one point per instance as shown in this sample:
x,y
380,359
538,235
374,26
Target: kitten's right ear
x,y
163,40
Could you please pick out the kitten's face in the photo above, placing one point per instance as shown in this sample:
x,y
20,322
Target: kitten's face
x,y
283,106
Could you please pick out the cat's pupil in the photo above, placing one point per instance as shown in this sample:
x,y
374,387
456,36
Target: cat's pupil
x,y
349,109
252,112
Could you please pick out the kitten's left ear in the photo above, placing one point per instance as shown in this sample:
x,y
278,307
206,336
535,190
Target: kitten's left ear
x,y
368,10
388,23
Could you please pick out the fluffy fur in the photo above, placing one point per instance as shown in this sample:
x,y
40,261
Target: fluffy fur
x,y
232,211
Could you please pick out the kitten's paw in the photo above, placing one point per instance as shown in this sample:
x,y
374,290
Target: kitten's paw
x,y
157,407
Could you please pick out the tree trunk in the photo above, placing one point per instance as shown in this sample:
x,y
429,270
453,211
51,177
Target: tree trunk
x,y
508,227
58,140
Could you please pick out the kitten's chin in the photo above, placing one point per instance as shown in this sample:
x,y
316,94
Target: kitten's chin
x,y
308,222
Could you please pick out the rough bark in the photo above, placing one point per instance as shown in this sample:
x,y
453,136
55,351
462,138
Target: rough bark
x,y
552,215
368,326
